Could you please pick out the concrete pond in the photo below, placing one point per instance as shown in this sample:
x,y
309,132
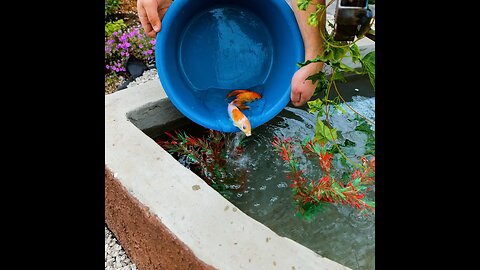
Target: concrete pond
x,y
164,215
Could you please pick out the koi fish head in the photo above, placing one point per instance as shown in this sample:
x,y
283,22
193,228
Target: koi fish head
x,y
239,119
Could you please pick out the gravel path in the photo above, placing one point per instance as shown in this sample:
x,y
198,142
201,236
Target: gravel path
x,y
148,75
115,257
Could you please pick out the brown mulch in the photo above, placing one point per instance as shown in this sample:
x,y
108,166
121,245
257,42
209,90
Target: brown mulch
x,y
127,6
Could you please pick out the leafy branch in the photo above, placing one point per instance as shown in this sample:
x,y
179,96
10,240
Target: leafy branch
x,y
334,52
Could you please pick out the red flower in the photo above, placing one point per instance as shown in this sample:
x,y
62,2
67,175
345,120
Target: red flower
x,y
284,154
357,173
325,161
364,160
325,179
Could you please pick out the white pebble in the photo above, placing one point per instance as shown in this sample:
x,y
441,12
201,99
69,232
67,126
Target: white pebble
x,y
115,256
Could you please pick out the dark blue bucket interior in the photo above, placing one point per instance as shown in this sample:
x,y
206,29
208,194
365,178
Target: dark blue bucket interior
x,y
208,48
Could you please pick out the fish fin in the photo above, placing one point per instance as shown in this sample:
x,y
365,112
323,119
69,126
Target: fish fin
x,y
237,102
235,92
242,106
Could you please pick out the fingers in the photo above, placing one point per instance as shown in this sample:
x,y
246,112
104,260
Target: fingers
x,y
142,16
299,100
150,15
296,96
147,26
151,8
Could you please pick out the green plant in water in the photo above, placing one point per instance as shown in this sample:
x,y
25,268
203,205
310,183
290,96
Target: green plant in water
x,y
333,54
311,195
207,156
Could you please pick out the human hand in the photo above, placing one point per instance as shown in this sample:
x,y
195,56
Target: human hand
x,y
150,13
303,90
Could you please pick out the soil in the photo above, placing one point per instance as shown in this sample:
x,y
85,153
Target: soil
x,y
128,5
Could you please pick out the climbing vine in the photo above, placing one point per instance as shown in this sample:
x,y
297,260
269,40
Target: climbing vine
x,y
334,52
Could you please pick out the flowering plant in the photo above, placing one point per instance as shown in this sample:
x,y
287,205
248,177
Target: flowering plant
x,y
310,195
122,45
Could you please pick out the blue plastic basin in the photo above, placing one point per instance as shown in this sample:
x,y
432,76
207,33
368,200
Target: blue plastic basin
x,y
208,48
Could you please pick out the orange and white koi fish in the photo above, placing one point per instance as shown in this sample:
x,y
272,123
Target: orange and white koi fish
x,y
239,119
242,97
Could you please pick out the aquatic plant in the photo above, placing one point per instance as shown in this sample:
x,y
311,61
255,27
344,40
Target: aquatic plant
x,y
309,194
207,156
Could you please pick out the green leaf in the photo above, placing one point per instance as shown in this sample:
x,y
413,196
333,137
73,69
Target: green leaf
x,y
369,203
361,188
310,211
322,84
354,53
334,150
339,52
368,64
339,77
344,67
329,55
323,133
312,19
356,181
303,4
315,105
314,60
364,126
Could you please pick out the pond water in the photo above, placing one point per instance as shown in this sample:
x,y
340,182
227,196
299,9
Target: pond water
x,y
338,232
